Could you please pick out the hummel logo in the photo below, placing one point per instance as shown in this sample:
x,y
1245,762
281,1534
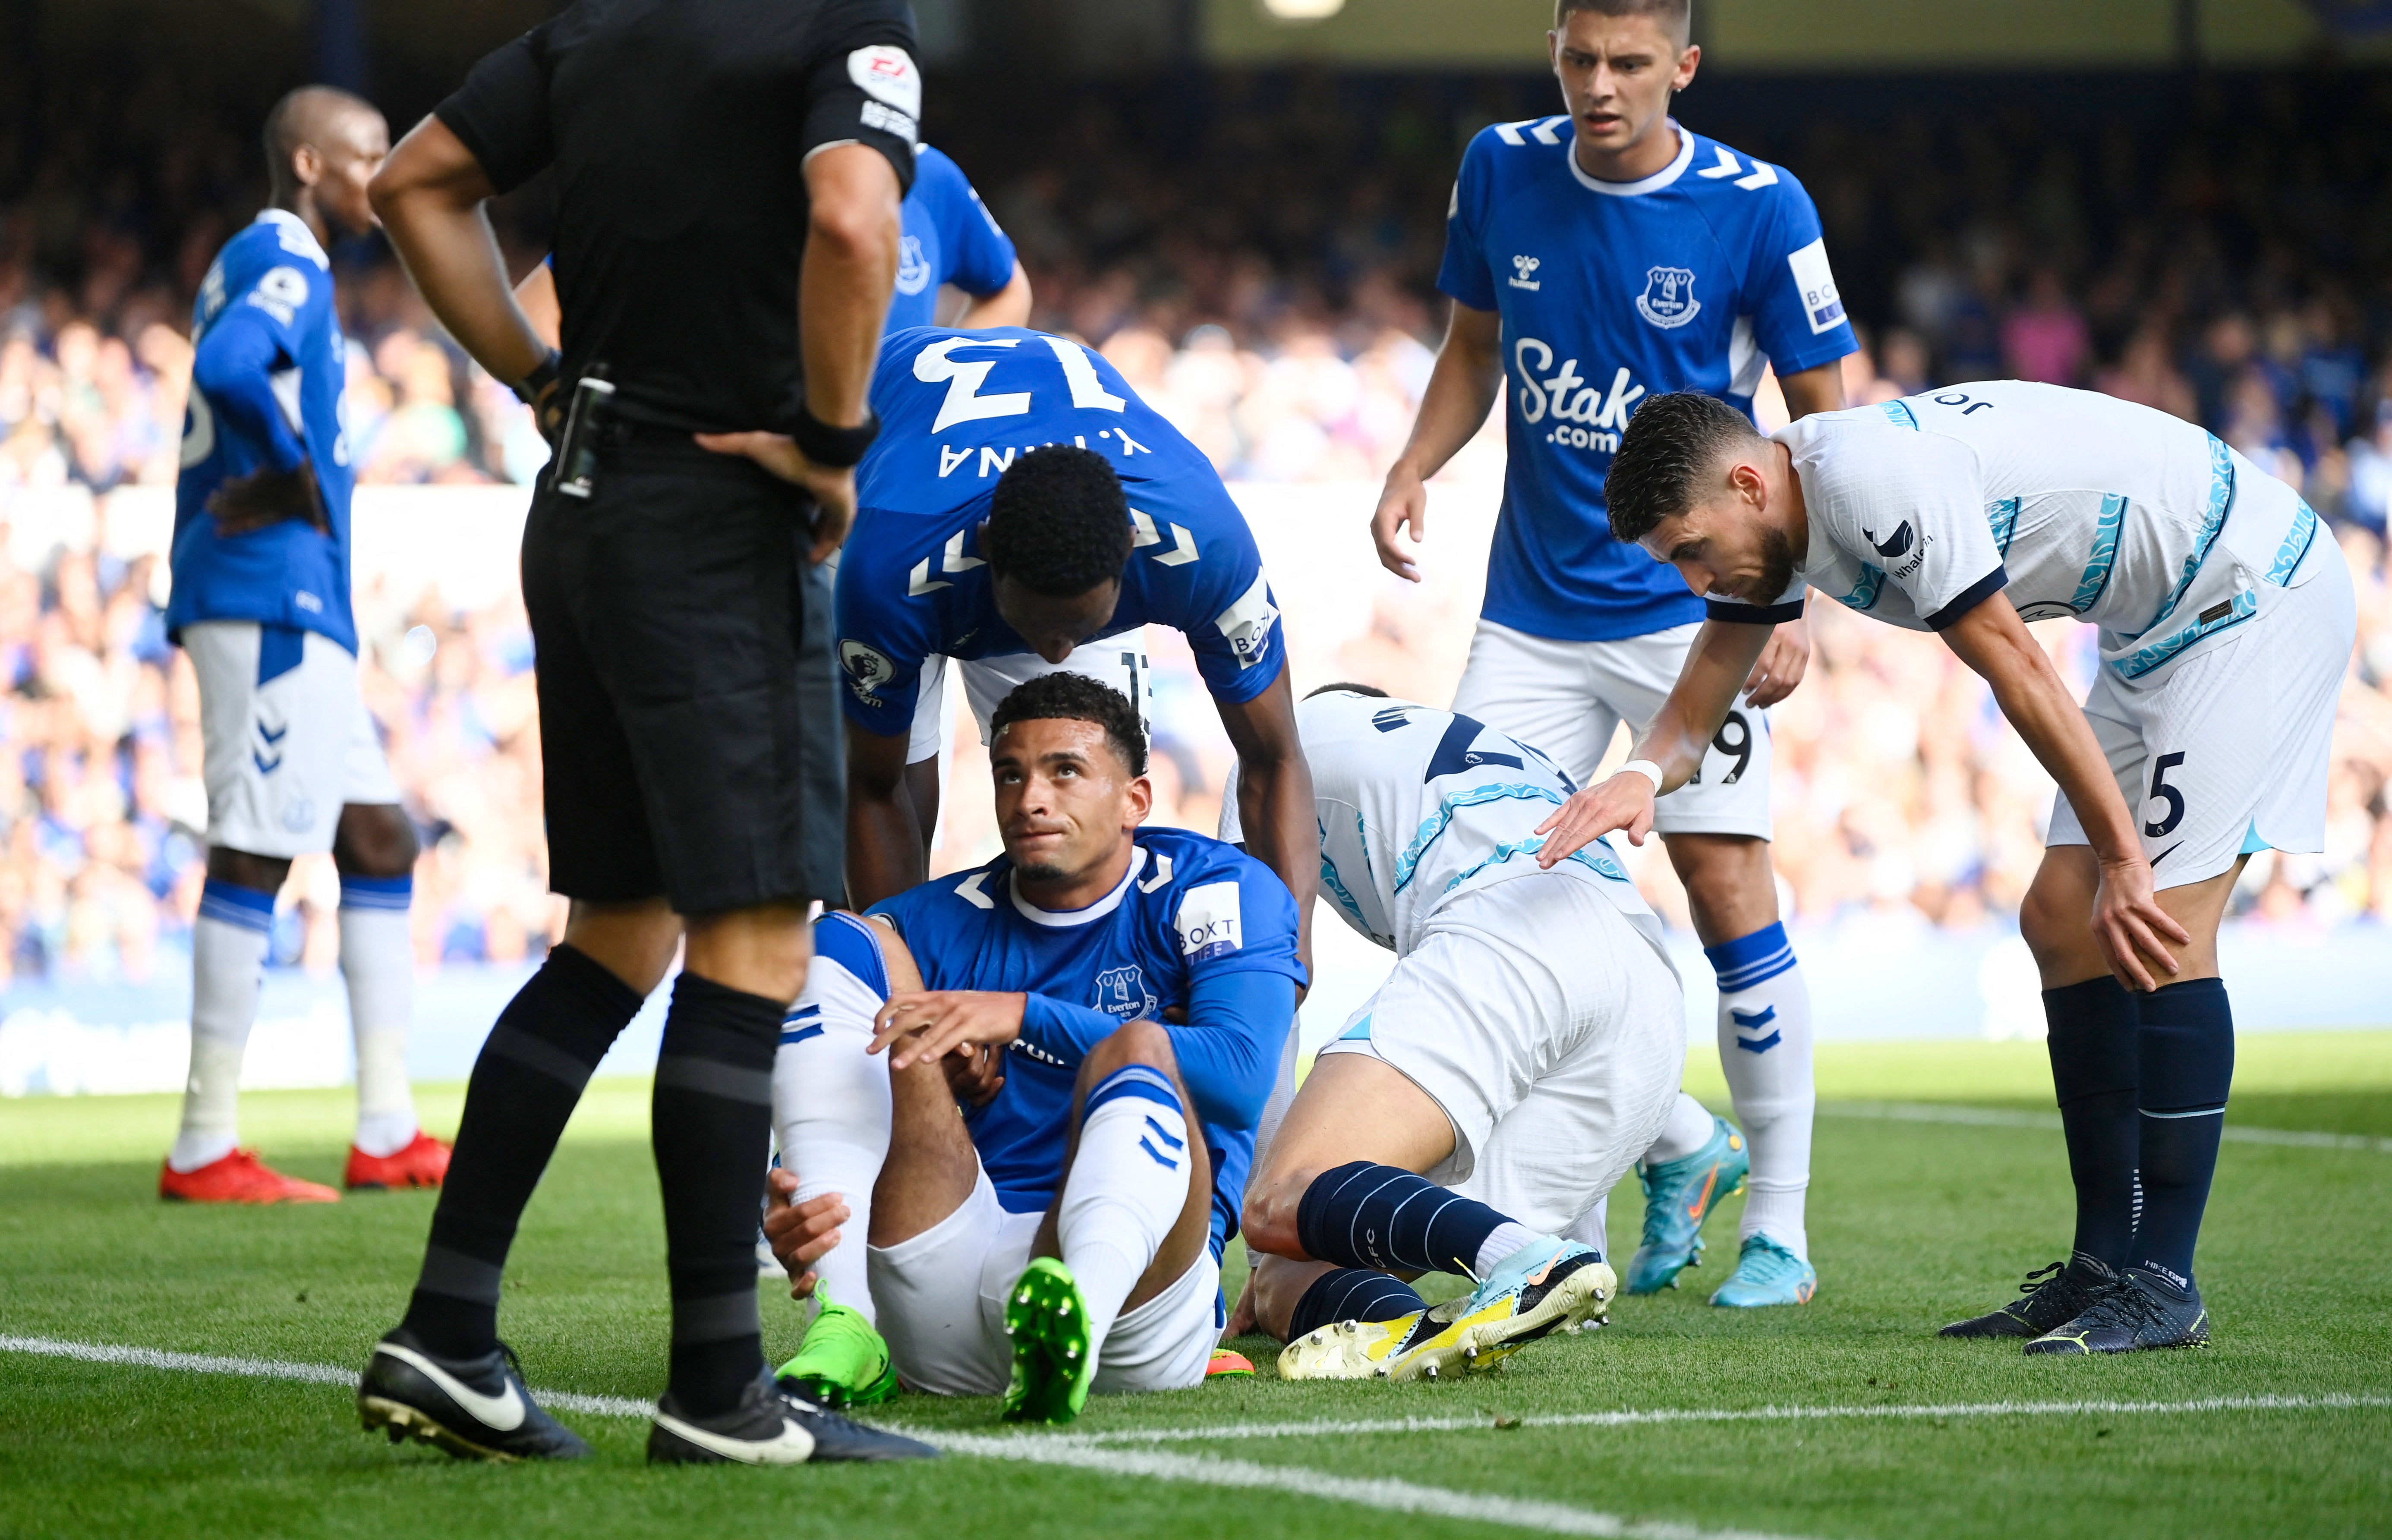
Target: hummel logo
x,y
1524,272
271,736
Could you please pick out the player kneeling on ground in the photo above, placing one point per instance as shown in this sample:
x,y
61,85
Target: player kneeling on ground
x,y
1065,1231
2226,620
1525,1051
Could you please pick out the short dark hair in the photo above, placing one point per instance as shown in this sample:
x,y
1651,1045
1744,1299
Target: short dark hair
x,y
1674,15
1075,698
1671,444
1370,690
295,120
1058,523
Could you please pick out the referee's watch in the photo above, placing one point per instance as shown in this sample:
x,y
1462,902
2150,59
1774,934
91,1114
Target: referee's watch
x,y
543,374
835,448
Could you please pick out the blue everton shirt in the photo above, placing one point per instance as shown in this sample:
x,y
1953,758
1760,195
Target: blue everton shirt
x,y
267,378
1195,925
1609,292
949,238
955,409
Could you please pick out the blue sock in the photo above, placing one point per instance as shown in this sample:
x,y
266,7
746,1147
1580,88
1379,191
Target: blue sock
x,y
1352,1294
2188,1065
1382,1217
2094,1055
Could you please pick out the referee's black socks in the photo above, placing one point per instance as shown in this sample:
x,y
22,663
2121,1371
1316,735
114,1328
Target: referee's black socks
x,y
524,1085
713,1123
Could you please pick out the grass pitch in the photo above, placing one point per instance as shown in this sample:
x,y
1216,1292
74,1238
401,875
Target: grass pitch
x,y
1912,1223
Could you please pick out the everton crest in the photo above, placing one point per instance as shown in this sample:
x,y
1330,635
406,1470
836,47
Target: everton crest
x,y
1668,299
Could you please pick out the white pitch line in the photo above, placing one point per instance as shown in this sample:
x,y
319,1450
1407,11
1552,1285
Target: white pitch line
x,y
1387,1495
1995,1116
2329,1402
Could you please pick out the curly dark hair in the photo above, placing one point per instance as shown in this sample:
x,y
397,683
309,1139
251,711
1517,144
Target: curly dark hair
x,y
1058,523
1670,445
1075,698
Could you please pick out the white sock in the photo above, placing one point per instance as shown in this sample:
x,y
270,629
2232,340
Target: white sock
x,y
378,959
1688,1130
831,1106
1764,1043
1592,1227
1125,1191
227,960
1508,1237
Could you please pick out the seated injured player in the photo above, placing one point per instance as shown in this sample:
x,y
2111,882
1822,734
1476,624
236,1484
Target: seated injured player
x,y
1525,1051
1105,1006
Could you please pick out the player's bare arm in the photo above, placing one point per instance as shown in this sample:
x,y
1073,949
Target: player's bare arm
x,y
537,294
1275,796
843,291
1717,665
2127,919
1008,306
918,1025
885,833
1788,656
430,195
1460,390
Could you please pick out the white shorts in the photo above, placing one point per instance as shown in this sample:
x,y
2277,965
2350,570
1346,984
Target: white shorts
x,y
281,756
941,1300
1566,698
1119,661
2227,752
1550,1032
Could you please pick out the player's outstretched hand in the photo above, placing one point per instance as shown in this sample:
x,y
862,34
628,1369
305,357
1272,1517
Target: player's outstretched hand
x,y
1783,660
1403,504
800,1234
1623,802
2129,923
268,496
833,488
929,1024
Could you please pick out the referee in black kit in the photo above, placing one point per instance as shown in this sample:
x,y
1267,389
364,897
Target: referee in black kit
x,y
728,178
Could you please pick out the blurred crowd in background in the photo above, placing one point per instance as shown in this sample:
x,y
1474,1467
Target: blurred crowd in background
x,y
1257,254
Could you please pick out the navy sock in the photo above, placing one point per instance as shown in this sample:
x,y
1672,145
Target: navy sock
x,y
2188,1065
711,1116
2094,1057
525,1083
1352,1294
1384,1218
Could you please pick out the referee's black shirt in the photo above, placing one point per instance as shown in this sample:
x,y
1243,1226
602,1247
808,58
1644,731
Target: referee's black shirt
x,y
679,131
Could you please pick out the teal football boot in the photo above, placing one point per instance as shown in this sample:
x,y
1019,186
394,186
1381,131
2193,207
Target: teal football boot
x,y
1767,1274
1679,1195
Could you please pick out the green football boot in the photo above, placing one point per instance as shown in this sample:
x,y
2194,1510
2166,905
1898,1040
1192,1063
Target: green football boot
x,y
1052,1365
842,1362
1679,1195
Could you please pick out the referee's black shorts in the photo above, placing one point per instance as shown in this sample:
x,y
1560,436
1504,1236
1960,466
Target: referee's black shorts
x,y
689,721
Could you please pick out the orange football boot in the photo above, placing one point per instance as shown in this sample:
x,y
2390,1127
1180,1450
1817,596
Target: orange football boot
x,y
423,1163
239,1178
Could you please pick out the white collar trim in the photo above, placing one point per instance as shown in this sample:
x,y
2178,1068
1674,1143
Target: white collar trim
x,y
294,229
1654,182
1065,918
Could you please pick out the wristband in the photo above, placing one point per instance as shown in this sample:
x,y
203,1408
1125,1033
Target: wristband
x,y
543,375
835,448
1647,769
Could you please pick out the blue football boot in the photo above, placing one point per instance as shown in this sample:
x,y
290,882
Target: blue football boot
x,y
1767,1274
1679,1195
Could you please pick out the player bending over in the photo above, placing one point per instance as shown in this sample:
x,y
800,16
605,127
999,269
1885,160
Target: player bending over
x,y
1525,1051
294,764
1065,1233
2226,623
